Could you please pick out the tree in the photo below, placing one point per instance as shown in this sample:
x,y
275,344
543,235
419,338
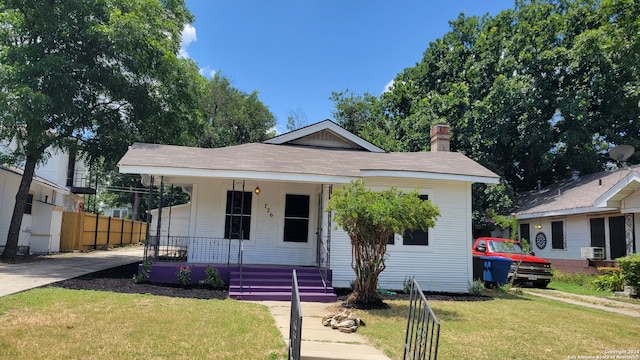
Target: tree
x,y
234,116
532,93
296,119
370,218
92,75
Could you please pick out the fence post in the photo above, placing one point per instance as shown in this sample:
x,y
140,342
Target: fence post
x,y
121,231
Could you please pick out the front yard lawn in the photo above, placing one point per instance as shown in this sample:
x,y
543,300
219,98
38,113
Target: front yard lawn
x,y
509,327
55,323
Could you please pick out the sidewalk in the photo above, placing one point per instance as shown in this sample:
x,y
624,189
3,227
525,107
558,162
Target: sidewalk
x,y
593,302
320,342
15,278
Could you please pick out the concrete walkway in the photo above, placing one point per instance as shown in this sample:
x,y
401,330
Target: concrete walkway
x,y
594,302
320,342
15,278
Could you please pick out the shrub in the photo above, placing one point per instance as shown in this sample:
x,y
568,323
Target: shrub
x,y
630,266
476,287
143,275
406,284
184,275
609,280
213,278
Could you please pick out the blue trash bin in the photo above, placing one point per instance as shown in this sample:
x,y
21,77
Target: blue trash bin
x,y
496,269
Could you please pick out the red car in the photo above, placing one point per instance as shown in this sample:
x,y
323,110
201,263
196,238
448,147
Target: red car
x,y
532,269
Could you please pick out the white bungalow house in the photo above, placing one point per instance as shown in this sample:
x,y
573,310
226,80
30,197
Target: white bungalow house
x,y
57,186
270,198
584,222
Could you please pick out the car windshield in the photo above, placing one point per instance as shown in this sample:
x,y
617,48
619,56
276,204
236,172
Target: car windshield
x,y
505,247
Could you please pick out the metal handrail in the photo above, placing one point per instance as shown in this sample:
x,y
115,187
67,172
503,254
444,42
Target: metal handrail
x,y
295,320
423,328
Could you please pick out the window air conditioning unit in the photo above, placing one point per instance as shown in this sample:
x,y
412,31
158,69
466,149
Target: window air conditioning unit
x,y
593,253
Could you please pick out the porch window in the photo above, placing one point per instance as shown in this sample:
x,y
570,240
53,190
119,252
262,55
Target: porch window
x,y
296,218
557,235
416,237
28,206
237,222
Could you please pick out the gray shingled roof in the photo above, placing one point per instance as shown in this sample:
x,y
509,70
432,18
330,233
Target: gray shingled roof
x,y
260,157
570,194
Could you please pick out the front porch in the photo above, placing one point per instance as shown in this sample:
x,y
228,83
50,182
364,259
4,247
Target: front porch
x,y
245,281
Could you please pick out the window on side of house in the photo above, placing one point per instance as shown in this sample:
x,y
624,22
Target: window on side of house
x,y
115,213
237,220
296,218
557,235
525,232
416,237
28,206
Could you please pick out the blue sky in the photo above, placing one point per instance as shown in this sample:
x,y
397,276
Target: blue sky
x,y
296,52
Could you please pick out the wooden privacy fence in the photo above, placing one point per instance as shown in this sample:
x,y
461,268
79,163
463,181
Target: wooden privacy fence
x,y
84,231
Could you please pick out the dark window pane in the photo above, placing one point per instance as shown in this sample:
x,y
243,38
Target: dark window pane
x,y
416,237
29,204
597,232
557,235
296,218
239,202
296,230
237,221
237,225
525,232
392,239
297,206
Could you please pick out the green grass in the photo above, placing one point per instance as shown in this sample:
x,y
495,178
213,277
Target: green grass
x,y
508,327
54,323
577,289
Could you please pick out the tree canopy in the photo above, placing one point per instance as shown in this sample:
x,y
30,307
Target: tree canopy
x,y
370,218
93,76
532,93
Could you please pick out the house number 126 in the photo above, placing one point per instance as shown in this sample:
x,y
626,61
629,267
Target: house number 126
x,y
268,210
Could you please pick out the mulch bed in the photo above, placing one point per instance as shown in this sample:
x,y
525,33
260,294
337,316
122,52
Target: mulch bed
x,y
120,279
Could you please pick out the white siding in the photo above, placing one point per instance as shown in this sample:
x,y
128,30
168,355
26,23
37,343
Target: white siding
x,y
443,265
577,234
265,244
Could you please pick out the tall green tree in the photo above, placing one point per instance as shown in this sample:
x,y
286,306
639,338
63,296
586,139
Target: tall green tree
x,y
532,93
370,218
91,75
234,117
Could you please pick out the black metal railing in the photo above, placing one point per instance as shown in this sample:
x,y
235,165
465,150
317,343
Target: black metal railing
x,y
295,321
423,328
192,249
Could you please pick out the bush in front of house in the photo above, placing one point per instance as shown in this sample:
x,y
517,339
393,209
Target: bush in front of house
x,y
213,279
609,279
630,266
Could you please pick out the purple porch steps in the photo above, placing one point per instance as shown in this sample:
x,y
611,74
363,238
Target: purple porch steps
x,y
275,284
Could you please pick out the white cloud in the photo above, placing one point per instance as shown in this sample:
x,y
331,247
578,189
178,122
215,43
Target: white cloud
x,y
207,72
188,36
389,86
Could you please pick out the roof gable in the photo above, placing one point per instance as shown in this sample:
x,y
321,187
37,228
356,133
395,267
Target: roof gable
x,y
325,134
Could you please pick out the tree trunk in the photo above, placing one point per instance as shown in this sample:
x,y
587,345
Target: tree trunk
x,y
368,263
11,247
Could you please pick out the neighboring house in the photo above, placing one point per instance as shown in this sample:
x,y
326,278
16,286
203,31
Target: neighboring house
x,y
175,220
119,212
273,195
584,222
57,186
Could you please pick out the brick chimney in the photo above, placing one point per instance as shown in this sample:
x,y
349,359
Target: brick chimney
x,y
440,137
